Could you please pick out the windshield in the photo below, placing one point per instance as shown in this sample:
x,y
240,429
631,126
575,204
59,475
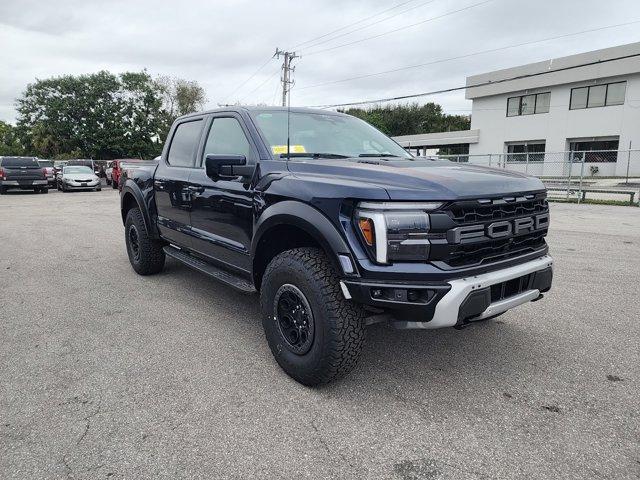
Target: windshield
x,y
77,170
327,135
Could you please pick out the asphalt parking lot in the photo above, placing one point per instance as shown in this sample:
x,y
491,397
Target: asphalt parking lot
x,y
106,374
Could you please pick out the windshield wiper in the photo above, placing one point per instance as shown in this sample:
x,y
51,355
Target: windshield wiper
x,y
374,155
312,155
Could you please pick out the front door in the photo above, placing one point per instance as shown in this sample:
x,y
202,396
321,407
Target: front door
x,y
222,210
171,183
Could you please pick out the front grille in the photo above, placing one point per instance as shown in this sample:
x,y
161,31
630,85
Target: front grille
x,y
475,212
481,249
494,250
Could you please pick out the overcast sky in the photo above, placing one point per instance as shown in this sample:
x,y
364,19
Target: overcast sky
x,y
220,43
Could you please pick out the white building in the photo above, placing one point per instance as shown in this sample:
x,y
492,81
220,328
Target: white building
x,y
538,110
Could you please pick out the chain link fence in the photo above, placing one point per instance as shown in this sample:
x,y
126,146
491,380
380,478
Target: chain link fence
x,y
609,175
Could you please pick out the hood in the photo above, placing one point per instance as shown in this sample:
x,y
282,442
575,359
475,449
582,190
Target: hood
x,y
420,179
80,176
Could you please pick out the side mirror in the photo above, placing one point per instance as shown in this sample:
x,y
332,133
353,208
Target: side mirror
x,y
227,166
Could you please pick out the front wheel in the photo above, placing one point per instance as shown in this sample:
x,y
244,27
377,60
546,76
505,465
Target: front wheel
x,y
145,254
314,333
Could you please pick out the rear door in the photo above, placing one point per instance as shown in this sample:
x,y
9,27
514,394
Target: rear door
x,y
221,210
171,182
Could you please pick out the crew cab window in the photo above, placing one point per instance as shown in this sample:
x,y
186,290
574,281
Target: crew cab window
x,y
184,144
226,137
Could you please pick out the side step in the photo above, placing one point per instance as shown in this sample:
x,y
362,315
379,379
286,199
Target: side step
x,y
235,281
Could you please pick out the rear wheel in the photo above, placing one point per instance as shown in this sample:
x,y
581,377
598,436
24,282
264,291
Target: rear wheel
x,y
3,190
44,190
145,254
314,333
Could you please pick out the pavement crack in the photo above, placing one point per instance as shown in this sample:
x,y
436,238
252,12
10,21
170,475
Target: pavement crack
x,y
87,420
326,447
65,462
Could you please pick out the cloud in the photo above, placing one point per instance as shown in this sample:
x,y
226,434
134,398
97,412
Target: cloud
x,y
219,44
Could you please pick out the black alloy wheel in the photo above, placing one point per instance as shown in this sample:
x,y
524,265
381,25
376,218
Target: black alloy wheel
x,y
295,318
134,242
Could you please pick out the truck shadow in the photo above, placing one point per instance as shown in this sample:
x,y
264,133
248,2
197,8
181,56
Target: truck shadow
x,y
493,346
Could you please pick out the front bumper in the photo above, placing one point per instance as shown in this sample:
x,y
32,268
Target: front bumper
x,y
78,186
458,301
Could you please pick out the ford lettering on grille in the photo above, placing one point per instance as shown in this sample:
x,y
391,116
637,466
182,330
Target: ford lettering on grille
x,y
501,229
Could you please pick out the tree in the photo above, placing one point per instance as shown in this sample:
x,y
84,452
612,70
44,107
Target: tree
x,y
179,97
9,140
411,119
100,115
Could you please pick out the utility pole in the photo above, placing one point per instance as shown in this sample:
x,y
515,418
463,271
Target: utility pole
x,y
287,70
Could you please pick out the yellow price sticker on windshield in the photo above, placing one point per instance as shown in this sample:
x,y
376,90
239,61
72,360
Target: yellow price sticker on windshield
x,y
279,149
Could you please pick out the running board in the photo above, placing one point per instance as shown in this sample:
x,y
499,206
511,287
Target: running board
x,y
234,281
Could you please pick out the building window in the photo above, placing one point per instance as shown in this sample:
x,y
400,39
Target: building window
x,y
528,104
598,95
525,152
597,151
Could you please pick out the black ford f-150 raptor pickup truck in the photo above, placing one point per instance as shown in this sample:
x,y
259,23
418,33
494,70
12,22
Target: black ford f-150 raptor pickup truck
x,y
336,226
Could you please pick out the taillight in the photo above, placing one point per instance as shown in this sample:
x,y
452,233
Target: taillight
x,y
1,173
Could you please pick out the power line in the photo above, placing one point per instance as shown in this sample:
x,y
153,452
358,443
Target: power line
x,y
250,77
352,24
493,82
261,85
467,55
369,25
401,28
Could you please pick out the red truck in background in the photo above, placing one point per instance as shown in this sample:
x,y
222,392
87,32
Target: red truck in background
x,y
117,169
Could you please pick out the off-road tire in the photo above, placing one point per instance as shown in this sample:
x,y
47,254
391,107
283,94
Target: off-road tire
x,y
338,332
148,256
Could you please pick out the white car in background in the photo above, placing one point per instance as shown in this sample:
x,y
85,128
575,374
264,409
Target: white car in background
x,y
78,177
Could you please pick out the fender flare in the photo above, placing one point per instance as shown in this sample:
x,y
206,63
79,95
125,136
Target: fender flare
x,y
130,187
308,219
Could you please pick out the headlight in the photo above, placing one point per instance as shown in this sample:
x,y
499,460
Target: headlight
x,y
395,231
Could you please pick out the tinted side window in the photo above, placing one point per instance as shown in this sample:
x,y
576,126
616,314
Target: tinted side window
x,y
184,144
227,137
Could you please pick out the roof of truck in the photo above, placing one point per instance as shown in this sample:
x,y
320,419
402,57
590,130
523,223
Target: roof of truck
x,y
250,108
